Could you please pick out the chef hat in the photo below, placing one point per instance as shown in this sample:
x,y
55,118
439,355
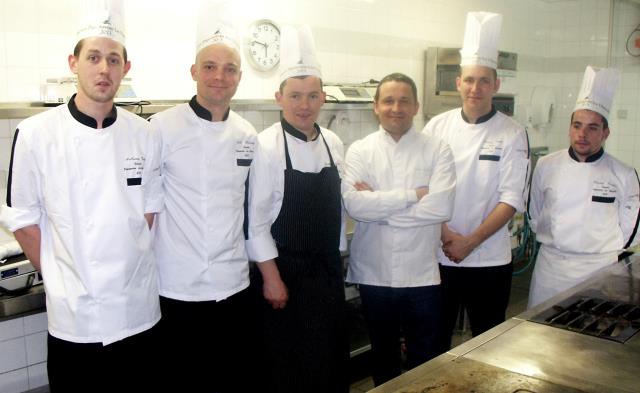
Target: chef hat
x,y
598,87
214,25
298,53
481,37
102,18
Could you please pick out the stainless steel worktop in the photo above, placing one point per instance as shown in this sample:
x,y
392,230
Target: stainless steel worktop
x,y
22,110
521,355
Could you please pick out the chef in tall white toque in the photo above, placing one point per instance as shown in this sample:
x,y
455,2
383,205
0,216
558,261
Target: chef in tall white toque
x,y
83,189
296,232
491,153
584,205
207,150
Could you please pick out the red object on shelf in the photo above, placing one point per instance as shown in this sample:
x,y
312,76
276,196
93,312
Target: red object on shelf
x,y
637,42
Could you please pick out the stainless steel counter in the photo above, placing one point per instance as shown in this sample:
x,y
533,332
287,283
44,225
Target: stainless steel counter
x,y
520,355
22,110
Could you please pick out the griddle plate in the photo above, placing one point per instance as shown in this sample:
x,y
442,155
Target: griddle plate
x,y
609,319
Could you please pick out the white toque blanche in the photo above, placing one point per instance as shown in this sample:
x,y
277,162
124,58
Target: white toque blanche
x,y
481,36
598,87
298,53
215,25
102,18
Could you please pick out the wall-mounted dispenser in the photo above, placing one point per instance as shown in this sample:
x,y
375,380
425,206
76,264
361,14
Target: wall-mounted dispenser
x,y
542,106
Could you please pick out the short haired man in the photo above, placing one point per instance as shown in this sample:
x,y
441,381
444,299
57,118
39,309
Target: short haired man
x,y
83,189
207,150
296,232
492,162
584,204
399,187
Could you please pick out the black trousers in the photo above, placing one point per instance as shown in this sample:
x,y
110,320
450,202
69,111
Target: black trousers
x,y
391,313
126,365
482,291
205,344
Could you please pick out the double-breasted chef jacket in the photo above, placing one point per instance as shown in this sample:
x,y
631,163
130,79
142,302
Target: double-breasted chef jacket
x,y
88,190
200,242
492,166
397,236
584,214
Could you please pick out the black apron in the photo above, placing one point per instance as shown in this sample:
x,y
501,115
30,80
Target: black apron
x,y
306,342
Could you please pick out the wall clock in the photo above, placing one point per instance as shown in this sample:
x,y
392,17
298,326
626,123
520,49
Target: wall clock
x,y
262,45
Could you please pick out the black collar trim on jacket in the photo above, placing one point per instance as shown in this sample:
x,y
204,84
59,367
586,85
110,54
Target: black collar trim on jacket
x,y
594,157
291,130
482,118
203,112
88,120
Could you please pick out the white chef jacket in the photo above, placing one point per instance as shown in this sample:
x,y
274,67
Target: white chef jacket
x,y
199,244
396,236
584,214
88,190
492,166
584,207
266,181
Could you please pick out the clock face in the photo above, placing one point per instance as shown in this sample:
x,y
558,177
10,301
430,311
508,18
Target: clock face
x,y
262,45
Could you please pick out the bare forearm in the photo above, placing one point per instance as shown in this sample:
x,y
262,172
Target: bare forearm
x,y
29,240
498,217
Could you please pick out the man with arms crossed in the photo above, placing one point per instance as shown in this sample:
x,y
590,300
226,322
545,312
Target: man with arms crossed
x,y
399,187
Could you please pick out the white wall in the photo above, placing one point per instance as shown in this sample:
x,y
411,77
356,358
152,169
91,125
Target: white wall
x,y
357,40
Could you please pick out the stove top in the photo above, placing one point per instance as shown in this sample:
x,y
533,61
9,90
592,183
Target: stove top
x,y
605,318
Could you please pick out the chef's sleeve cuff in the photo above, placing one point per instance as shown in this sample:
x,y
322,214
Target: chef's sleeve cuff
x,y
513,200
14,218
261,248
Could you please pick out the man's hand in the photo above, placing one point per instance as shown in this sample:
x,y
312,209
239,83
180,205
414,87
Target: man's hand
x,y
275,293
422,191
274,289
455,246
362,186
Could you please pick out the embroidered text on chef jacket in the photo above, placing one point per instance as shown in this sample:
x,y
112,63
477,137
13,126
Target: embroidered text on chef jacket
x,y
266,184
205,165
492,163
601,195
397,236
88,190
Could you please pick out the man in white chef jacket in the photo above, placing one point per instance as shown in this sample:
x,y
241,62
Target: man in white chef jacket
x,y
83,189
296,232
207,151
492,159
399,186
584,204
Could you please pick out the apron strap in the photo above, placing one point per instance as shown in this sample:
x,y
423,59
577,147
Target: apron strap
x,y
286,147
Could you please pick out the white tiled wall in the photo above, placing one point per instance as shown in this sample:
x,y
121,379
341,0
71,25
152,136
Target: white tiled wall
x,y
357,40
23,349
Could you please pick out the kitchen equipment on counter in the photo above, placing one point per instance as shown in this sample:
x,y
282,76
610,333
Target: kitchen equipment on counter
x,y
541,350
21,288
343,92
58,91
17,275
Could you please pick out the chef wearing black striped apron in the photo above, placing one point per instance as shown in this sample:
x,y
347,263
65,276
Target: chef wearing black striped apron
x,y
295,234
